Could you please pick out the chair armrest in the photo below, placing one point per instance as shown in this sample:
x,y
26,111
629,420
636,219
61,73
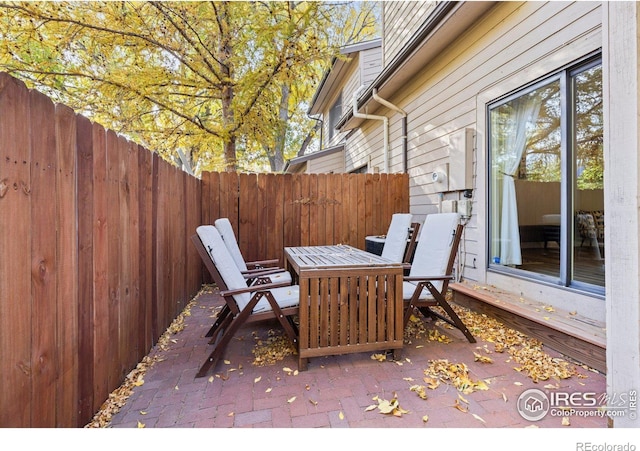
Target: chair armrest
x,y
424,278
255,288
250,274
257,264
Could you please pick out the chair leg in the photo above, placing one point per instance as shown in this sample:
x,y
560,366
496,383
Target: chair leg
x,y
226,337
224,313
457,322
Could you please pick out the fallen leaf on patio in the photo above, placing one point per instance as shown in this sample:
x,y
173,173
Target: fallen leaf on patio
x,y
425,418
549,309
140,425
408,360
504,397
290,400
268,390
462,399
532,426
257,379
315,403
517,383
482,358
399,363
566,421
419,389
227,362
176,388
460,407
211,378
456,374
573,313
552,386
431,382
230,414
341,415
390,406
142,412
408,379
224,377
379,357
139,381
286,369
477,417
546,318
307,387
419,346
371,407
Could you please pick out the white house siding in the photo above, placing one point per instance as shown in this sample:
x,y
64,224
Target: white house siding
x,y
332,163
513,44
401,19
370,65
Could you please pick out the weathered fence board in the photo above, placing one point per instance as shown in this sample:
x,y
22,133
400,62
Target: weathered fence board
x,y
274,211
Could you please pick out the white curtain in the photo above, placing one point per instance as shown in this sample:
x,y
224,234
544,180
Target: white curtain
x,y
525,113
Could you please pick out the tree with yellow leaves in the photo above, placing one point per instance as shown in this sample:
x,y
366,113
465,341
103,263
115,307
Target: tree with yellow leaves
x,y
218,83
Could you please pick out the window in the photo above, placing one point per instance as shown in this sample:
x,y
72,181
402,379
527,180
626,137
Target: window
x,y
334,116
546,180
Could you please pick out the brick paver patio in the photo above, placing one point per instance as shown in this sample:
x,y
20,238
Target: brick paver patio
x,y
335,392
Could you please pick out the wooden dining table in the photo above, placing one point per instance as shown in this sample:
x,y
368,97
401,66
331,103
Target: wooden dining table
x,y
350,301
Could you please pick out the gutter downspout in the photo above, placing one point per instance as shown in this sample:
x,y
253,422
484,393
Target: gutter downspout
x,y
391,106
385,121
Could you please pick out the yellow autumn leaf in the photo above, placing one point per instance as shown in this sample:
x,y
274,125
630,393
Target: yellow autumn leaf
x,y
315,403
268,390
140,425
379,357
370,408
566,421
460,407
257,379
227,362
425,418
290,400
143,412
341,415
211,378
462,399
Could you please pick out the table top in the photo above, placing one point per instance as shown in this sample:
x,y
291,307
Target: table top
x,y
335,256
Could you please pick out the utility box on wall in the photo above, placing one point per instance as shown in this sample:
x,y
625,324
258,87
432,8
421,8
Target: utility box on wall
x,y
461,160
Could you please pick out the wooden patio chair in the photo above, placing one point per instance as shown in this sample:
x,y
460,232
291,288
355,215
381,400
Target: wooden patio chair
x,y
395,243
244,304
431,270
250,270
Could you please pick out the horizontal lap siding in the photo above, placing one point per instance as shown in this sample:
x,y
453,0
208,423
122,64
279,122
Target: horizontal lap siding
x,y
78,245
513,44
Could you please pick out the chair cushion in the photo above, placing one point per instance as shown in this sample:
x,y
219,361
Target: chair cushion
x,y
225,264
285,297
434,246
408,288
396,241
226,232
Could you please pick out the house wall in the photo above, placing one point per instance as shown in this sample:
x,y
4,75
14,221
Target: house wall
x,y
370,65
333,163
513,44
400,22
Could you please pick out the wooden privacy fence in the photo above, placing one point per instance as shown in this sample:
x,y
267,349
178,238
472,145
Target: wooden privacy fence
x,y
94,260
95,252
272,211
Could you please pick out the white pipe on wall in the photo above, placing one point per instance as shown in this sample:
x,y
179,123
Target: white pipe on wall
x,y
385,121
397,109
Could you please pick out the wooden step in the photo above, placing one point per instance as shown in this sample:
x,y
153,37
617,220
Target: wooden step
x,y
573,335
